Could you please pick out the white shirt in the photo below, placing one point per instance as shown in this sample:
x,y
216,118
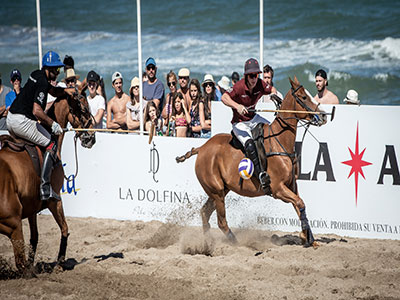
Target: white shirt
x,y
95,104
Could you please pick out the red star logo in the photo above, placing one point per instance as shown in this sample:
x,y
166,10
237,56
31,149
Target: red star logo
x,y
356,163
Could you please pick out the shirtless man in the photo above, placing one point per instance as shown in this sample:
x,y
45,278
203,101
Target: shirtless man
x,y
184,78
117,104
324,96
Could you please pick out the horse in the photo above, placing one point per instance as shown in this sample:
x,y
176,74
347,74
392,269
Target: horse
x,y
19,184
217,163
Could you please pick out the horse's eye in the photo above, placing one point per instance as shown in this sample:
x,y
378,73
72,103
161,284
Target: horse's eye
x,y
304,97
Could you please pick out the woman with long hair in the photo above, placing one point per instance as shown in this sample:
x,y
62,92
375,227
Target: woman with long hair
x,y
152,116
166,112
196,96
205,105
133,106
180,115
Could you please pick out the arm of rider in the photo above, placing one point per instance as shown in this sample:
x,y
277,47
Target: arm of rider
x,y
57,91
227,100
42,117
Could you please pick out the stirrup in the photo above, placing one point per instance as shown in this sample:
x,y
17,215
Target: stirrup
x,y
265,182
44,196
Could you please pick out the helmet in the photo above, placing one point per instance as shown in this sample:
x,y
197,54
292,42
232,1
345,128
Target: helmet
x,y
51,59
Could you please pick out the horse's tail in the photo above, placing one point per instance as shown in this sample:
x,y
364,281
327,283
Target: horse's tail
x,y
188,154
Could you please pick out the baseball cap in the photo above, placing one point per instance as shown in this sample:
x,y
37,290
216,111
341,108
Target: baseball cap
x,y
184,72
235,76
115,76
15,74
150,61
251,66
92,76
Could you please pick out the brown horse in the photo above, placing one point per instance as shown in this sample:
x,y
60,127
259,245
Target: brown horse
x,y
19,184
217,163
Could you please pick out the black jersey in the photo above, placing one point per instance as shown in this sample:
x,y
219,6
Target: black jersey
x,y
34,90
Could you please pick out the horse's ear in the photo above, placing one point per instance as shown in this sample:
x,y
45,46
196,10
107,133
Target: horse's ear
x,y
292,83
295,80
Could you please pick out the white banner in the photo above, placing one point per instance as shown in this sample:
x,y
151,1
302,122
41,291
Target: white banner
x,y
349,178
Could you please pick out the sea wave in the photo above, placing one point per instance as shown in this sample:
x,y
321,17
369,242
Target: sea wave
x,y
218,54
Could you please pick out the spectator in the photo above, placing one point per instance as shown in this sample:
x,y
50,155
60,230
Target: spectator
x,y
97,104
223,86
166,113
15,79
153,89
268,79
4,90
69,63
324,96
235,78
195,95
180,115
351,97
133,106
209,87
152,116
70,78
205,105
184,77
116,108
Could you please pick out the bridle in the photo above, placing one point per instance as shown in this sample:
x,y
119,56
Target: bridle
x,y
316,119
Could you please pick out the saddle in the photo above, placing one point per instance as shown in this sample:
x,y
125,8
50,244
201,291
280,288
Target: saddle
x,y
19,145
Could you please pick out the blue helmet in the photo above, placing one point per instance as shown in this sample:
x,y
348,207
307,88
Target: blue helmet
x,y
51,59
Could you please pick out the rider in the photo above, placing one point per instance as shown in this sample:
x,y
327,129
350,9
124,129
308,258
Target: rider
x,y
242,97
26,117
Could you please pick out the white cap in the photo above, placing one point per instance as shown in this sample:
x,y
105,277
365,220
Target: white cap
x,y
351,97
224,82
184,72
115,76
208,78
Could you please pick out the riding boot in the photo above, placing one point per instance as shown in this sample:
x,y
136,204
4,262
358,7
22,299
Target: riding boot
x,y
46,191
263,177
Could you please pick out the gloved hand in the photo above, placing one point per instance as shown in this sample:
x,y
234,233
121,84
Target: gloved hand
x,y
56,128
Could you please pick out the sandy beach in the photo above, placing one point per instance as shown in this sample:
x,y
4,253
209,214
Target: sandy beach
x,y
110,259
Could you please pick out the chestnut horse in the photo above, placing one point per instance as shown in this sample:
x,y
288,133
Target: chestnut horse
x,y
217,163
19,184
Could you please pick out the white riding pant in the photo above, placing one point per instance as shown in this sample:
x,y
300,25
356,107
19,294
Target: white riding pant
x,y
28,129
242,130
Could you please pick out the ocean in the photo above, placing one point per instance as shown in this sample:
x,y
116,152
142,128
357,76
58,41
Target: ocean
x,y
357,42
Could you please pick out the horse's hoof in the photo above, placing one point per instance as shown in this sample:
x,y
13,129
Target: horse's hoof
x,y
232,238
315,245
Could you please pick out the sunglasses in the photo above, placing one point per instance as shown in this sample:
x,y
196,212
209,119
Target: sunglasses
x,y
73,80
150,68
15,78
252,76
172,83
92,83
184,77
208,84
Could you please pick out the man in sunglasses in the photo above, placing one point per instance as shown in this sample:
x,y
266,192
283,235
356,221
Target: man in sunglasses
x,y
243,96
28,109
153,89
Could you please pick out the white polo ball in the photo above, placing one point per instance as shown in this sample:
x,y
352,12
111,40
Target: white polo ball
x,y
246,168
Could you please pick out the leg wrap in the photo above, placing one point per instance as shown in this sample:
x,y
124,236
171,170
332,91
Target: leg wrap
x,y
63,247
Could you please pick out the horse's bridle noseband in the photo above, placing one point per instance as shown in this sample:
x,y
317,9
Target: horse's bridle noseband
x,y
316,118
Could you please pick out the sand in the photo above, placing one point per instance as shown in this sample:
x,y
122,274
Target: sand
x,y
111,259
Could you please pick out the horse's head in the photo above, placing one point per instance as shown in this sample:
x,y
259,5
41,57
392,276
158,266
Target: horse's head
x,y
80,117
303,101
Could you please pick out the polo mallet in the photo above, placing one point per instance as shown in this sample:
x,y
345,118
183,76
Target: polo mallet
x,y
332,114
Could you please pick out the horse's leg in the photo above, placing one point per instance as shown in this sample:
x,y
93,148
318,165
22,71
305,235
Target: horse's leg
x,y
34,238
285,194
17,240
206,212
219,201
57,211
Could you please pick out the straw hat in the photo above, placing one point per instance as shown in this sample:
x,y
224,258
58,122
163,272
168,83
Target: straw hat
x,y
224,82
351,97
208,78
69,73
184,72
134,82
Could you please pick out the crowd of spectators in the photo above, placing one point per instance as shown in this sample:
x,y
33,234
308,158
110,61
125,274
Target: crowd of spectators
x,y
182,110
